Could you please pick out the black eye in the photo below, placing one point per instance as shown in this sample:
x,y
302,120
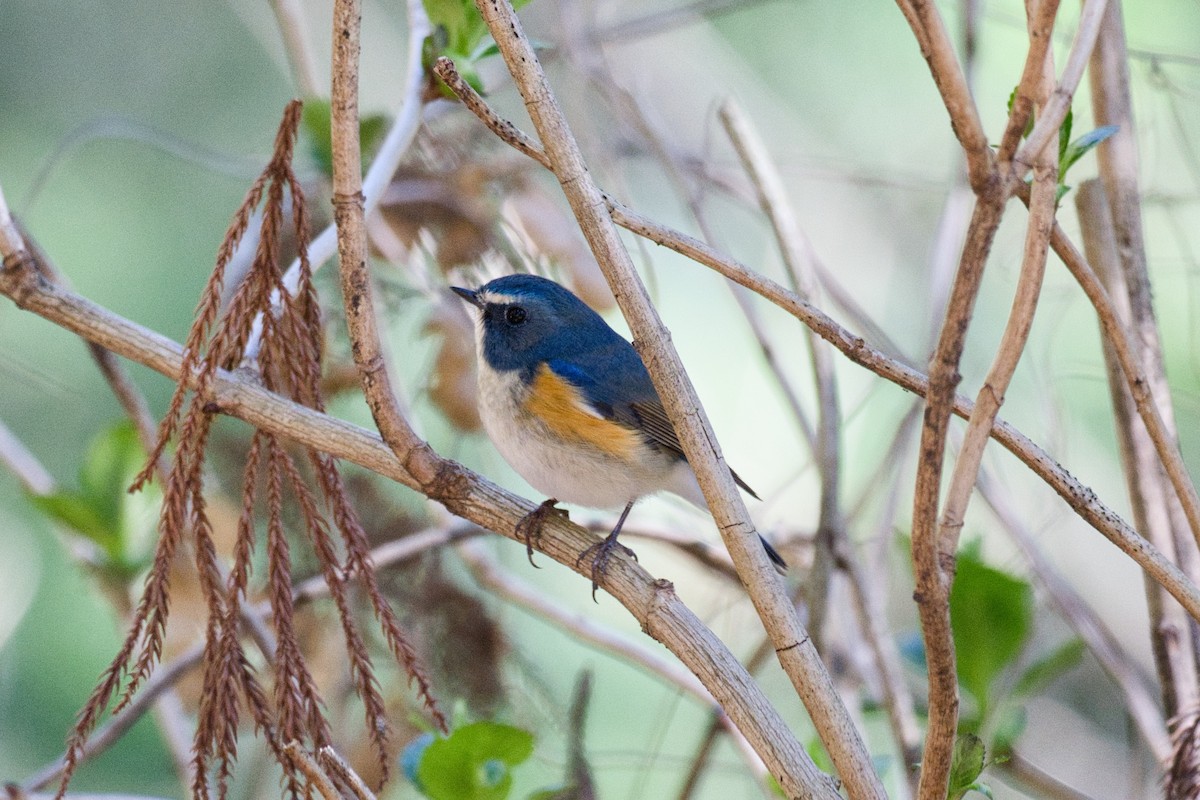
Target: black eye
x,y
514,315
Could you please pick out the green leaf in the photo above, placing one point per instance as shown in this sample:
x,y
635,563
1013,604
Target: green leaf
x,y
991,612
112,459
1080,147
474,762
75,512
1042,672
103,511
967,765
1064,137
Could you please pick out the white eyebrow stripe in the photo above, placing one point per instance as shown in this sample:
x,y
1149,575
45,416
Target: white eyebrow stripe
x,y
496,297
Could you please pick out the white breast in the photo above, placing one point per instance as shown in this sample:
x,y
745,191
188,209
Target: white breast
x,y
581,475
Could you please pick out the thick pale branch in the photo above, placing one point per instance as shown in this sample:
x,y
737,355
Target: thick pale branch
x,y
797,654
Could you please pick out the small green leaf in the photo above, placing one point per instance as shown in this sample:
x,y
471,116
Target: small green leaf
x,y
1042,672
967,765
1080,147
103,511
991,612
474,762
75,512
1064,137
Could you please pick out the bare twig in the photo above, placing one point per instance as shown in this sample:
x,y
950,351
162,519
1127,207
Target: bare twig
x,y
932,576
1149,494
1051,117
796,652
289,16
930,31
312,770
797,253
1012,343
336,767
22,463
391,151
1041,27
349,214
1113,105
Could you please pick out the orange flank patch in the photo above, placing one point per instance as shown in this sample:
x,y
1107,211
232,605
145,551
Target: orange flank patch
x,y
562,408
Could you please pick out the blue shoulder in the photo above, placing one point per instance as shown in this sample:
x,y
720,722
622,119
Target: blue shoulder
x,y
611,379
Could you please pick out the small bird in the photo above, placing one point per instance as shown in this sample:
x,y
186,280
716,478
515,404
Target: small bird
x,y
569,404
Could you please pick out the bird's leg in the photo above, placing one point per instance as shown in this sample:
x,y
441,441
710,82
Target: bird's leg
x,y
601,551
529,527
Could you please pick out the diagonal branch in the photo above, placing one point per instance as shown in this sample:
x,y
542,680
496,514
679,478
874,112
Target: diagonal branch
x,y
796,652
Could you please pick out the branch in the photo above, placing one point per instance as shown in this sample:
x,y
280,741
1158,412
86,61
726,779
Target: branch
x,y
1056,108
798,258
1149,494
930,31
797,654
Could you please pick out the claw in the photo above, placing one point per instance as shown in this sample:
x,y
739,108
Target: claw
x,y
602,551
529,527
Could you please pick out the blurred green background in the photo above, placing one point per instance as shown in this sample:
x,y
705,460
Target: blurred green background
x,y
129,132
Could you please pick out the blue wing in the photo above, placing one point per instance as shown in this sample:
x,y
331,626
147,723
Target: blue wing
x,y
625,395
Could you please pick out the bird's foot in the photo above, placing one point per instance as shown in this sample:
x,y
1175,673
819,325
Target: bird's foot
x,y
529,527
600,553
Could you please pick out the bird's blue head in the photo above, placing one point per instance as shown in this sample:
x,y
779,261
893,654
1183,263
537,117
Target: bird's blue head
x,y
526,320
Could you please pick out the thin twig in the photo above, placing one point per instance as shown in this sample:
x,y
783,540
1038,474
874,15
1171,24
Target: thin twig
x,y
1033,776
930,31
797,655
22,463
1055,111
1012,342
1041,29
1150,496
1137,378
1112,104
312,770
289,16
796,251
392,150
932,577
336,767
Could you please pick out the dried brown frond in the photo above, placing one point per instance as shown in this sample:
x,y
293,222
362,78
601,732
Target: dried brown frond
x,y
288,360
1183,775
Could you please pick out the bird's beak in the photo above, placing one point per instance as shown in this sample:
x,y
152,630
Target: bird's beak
x,y
469,295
